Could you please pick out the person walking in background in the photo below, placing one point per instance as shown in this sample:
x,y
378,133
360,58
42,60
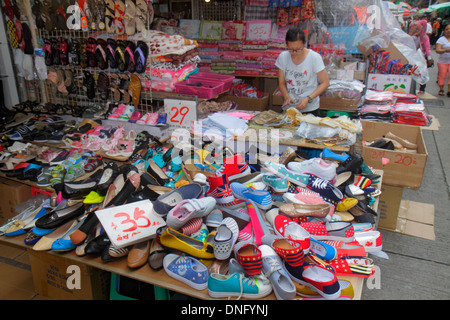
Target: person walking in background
x,y
418,31
443,49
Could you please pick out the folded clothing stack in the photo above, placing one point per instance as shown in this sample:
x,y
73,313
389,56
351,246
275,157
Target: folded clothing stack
x,y
412,114
376,113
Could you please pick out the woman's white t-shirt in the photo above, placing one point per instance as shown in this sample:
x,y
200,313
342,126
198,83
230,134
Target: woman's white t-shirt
x,y
301,79
444,58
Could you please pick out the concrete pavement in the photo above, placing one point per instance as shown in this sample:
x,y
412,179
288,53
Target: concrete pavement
x,y
418,269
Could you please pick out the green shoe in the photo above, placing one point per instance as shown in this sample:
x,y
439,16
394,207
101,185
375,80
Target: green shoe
x,y
58,174
74,172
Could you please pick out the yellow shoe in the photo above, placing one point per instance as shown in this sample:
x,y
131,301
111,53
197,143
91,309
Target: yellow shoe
x,y
175,240
346,204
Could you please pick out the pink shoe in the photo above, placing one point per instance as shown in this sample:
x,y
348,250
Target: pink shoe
x,y
152,119
143,119
117,112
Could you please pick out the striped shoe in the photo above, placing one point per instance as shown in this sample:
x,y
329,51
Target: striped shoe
x,y
249,257
117,252
290,251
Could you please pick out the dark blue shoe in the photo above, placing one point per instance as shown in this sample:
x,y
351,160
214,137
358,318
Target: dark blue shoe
x,y
162,119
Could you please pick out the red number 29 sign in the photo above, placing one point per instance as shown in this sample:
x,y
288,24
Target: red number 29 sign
x,y
180,113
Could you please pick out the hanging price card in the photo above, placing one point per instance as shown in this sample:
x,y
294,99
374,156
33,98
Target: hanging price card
x,y
131,223
180,113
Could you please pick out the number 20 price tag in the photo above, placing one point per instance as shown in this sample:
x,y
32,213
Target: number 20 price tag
x,y
180,113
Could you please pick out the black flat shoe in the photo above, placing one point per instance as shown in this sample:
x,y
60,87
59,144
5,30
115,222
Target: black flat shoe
x,y
155,171
130,186
81,188
56,218
110,172
97,245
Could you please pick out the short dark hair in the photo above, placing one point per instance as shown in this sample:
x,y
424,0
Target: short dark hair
x,y
295,34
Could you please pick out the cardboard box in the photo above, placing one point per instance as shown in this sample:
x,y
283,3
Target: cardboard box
x,y
357,74
252,104
277,98
338,104
12,193
405,216
52,278
402,169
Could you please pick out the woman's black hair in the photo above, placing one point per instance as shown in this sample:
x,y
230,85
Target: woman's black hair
x,y
295,34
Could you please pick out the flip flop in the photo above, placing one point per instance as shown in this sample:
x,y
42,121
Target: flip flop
x,y
119,14
100,54
45,15
134,89
69,83
114,83
83,53
47,47
140,56
111,52
103,85
120,56
123,87
63,48
141,15
109,16
130,12
129,56
55,51
19,34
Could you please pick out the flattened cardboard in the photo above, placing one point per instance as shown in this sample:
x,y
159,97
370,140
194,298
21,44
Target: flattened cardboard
x,y
13,193
405,216
416,219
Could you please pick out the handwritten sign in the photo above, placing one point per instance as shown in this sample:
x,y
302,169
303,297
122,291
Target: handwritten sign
x,y
389,82
258,30
180,113
131,223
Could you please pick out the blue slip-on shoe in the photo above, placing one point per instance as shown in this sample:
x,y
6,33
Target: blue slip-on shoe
x,y
261,198
27,224
323,250
187,270
329,154
65,243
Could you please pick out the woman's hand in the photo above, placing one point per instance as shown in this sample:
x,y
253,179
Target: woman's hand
x,y
302,104
287,101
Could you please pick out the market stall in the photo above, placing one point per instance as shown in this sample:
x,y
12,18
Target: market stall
x,y
151,144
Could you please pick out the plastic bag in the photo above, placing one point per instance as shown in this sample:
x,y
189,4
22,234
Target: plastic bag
x,y
344,89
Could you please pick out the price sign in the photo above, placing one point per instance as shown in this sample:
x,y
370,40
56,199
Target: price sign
x,y
130,223
180,113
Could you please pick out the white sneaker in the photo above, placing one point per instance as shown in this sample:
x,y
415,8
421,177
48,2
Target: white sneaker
x,y
315,166
189,209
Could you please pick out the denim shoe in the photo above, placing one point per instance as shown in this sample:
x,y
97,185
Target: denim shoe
x,y
282,284
261,198
186,269
162,119
237,284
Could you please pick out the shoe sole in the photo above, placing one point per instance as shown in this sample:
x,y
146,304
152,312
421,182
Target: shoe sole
x,y
215,294
312,287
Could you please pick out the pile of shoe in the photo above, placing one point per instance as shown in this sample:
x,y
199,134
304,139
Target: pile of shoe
x,y
288,228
